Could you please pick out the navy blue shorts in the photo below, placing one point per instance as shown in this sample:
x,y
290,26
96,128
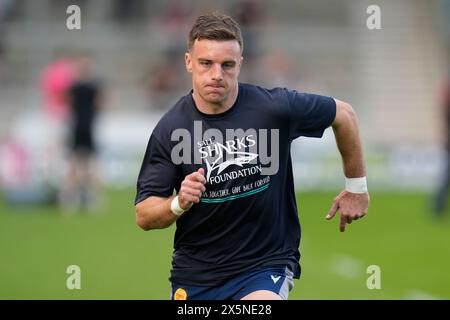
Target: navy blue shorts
x,y
276,279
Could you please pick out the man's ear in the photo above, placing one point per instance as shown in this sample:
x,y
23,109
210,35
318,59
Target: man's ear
x,y
188,62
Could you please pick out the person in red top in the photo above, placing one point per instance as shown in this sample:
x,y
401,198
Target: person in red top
x,y
56,79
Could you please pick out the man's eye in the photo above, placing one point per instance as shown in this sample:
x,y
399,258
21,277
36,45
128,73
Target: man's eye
x,y
205,63
228,65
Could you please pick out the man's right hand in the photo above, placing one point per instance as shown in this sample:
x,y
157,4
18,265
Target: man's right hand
x,y
191,189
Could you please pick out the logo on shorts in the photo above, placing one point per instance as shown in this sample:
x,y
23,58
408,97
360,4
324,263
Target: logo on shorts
x,y
275,278
180,294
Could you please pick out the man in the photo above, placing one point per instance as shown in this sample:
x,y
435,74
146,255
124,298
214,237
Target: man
x,y
85,101
238,231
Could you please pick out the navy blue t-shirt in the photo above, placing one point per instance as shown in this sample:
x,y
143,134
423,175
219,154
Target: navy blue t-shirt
x,y
247,216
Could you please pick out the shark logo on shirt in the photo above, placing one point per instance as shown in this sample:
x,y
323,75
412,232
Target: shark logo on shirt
x,y
241,159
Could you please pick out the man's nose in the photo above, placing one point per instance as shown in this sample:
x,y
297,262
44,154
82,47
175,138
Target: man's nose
x,y
217,72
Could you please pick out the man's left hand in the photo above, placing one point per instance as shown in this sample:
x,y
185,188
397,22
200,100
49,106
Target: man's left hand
x,y
352,206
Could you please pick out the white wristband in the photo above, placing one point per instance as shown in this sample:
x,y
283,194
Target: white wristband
x,y
356,185
175,207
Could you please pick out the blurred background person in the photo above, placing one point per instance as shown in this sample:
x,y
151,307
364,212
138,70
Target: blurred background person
x,y
441,195
85,100
56,79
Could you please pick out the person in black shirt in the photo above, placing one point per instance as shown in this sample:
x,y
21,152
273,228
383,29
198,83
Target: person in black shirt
x,y
441,194
225,150
84,99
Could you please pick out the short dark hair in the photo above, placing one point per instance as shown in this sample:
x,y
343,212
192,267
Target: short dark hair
x,y
215,26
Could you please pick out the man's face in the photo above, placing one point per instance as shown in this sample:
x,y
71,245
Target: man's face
x,y
215,67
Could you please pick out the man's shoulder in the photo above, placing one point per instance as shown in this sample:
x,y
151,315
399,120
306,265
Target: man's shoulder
x,y
258,91
272,102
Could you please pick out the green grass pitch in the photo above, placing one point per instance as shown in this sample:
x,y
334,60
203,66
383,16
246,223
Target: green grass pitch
x,y
120,261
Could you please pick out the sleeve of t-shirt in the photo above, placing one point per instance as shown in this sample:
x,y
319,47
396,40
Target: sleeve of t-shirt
x,y
311,114
158,175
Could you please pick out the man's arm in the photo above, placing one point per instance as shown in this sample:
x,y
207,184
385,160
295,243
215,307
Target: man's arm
x,y
155,212
352,206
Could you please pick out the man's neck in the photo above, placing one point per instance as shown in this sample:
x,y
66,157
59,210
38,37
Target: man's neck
x,y
215,108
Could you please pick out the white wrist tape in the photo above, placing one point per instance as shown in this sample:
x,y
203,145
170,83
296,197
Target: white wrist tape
x,y
356,185
175,207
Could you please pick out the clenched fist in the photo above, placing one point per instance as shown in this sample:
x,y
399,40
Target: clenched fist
x,y
191,189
